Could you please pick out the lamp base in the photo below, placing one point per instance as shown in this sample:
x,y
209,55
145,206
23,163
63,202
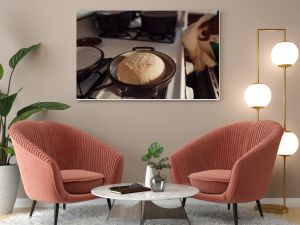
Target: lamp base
x,y
276,209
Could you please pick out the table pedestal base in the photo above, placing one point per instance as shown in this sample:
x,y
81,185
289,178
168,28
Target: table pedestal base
x,y
147,210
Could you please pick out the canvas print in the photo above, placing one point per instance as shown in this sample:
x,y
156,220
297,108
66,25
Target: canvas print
x,y
148,55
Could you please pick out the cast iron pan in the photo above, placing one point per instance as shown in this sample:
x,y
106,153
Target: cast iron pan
x,y
142,91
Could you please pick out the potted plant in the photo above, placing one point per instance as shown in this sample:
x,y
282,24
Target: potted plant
x,y
156,182
9,173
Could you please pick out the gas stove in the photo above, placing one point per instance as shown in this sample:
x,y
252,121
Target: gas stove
x,y
111,46
87,87
135,33
98,86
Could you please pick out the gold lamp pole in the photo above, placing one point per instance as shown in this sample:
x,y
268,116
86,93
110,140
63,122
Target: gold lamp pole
x,y
284,54
258,95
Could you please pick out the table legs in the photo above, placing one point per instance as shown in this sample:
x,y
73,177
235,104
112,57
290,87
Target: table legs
x,y
147,210
130,212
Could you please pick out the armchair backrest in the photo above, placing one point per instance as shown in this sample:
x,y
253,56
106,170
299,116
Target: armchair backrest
x,y
235,140
54,139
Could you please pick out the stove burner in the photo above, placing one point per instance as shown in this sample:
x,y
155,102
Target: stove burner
x,y
137,34
165,38
101,66
160,95
157,37
96,78
97,81
98,86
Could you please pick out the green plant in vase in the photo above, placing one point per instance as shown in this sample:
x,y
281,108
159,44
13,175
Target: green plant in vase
x,y
157,182
7,99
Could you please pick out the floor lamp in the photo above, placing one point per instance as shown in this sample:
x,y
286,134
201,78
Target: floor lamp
x,y
258,96
284,55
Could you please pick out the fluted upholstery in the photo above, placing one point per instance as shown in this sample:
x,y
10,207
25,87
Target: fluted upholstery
x,y
248,149
45,148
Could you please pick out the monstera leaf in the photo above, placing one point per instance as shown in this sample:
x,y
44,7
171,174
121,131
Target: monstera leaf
x,y
27,111
16,58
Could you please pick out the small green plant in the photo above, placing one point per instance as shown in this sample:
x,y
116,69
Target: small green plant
x,y
154,152
6,103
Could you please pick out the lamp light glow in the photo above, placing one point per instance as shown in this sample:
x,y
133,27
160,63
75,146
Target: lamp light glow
x,y
284,54
289,144
257,95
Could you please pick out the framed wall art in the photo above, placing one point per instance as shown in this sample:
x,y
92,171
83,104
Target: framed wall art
x,y
148,55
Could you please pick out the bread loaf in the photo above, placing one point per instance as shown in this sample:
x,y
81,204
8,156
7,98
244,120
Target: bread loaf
x,y
141,68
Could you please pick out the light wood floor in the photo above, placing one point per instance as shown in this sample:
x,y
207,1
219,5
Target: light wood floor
x,y
293,215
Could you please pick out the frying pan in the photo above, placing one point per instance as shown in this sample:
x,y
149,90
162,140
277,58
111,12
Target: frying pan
x,y
144,91
89,60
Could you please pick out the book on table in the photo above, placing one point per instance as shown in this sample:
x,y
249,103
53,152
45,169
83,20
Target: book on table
x,y
129,189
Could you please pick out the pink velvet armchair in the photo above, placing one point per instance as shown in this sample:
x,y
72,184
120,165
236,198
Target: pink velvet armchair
x,y
231,165
60,164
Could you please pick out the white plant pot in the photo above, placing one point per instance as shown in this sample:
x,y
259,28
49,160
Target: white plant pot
x,y
148,176
9,183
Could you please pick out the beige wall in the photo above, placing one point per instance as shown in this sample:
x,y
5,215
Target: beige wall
x,y
49,74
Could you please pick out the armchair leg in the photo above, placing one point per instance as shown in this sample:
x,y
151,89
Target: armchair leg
x,y
108,203
64,206
56,209
228,206
259,208
235,213
183,202
32,208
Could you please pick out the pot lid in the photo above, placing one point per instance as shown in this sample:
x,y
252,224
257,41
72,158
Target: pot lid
x,y
87,56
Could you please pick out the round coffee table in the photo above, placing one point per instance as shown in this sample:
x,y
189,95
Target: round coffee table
x,y
145,209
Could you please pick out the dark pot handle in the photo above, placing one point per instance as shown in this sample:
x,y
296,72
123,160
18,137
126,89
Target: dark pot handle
x,y
133,92
143,48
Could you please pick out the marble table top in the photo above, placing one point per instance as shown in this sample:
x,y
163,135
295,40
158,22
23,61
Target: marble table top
x,y
172,191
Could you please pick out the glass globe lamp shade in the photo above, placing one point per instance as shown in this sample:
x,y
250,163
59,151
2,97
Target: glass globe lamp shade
x,y
289,144
257,95
284,54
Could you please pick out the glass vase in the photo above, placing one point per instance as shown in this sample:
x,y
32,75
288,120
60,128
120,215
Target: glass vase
x,y
158,182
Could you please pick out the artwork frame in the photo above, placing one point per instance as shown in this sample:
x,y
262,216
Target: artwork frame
x,y
184,81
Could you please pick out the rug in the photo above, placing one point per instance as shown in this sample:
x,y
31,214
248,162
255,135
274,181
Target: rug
x,y
96,215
